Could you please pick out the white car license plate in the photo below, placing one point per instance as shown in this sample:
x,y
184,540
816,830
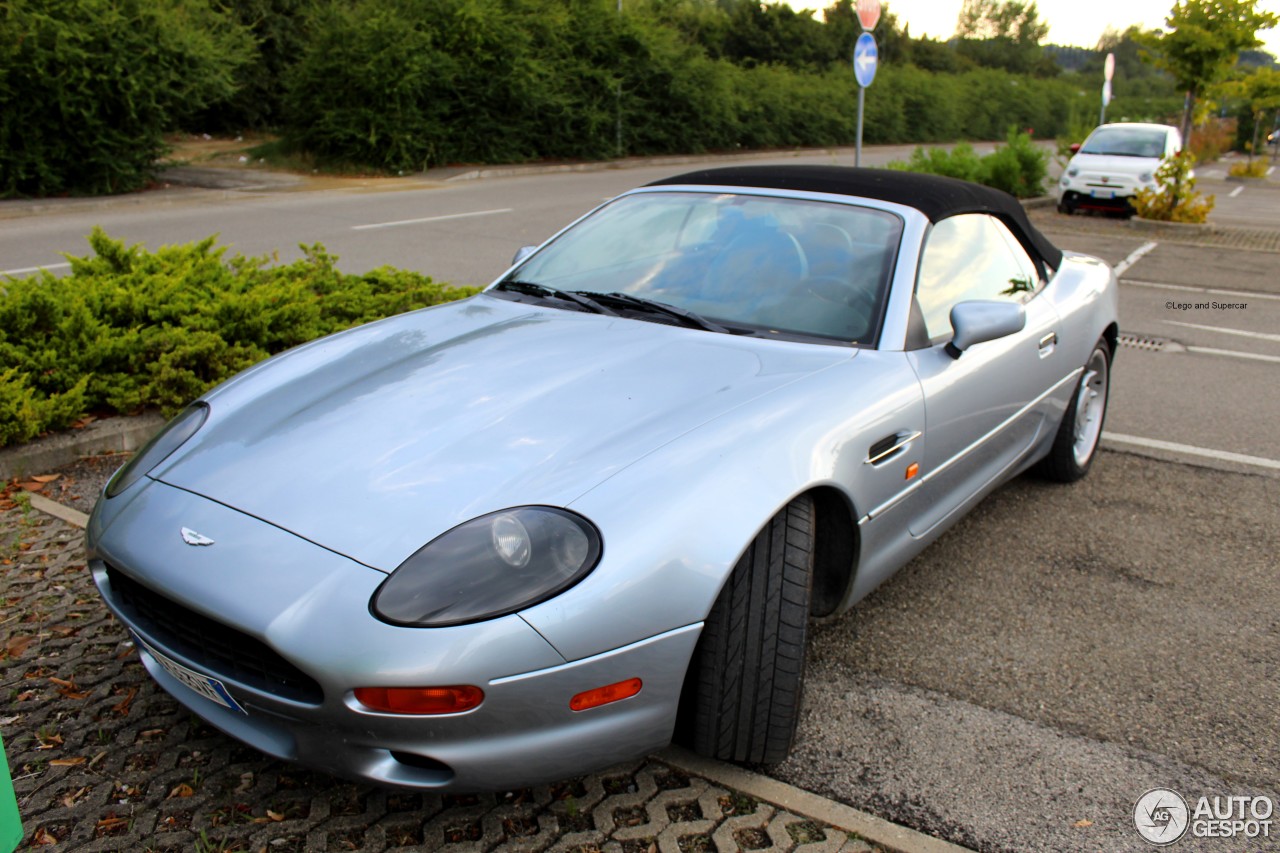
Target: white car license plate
x,y
208,687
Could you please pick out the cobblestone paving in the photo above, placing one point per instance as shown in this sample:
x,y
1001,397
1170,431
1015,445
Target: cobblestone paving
x,y
103,760
1224,237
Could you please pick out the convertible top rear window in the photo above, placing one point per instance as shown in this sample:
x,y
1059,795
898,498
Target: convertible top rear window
x,y
752,263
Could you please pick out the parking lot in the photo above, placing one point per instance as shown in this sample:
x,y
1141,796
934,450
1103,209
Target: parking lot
x,y
1016,687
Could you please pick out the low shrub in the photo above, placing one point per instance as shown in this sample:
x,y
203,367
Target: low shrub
x,y
1019,167
1212,139
129,329
1249,169
1174,197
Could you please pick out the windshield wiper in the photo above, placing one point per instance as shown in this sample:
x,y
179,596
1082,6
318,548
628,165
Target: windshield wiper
x,y
543,290
689,318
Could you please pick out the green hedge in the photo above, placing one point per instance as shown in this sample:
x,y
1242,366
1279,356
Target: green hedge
x,y
405,85
129,329
88,87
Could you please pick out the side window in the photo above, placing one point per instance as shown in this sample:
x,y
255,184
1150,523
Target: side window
x,y
972,256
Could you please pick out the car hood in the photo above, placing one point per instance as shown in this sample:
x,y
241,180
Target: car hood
x,y
1109,164
375,441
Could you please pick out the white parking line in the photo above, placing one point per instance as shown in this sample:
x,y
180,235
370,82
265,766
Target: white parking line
x,y
430,219
25,270
1136,256
1191,450
1255,356
1190,289
1262,336
1235,192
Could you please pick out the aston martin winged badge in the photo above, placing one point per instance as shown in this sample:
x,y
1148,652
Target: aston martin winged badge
x,y
192,538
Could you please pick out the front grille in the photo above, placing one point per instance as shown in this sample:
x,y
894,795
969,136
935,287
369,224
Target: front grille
x,y
214,647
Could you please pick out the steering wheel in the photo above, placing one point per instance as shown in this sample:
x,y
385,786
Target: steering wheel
x,y
838,291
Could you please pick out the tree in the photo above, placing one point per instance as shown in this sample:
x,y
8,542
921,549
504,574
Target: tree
x,y
1003,34
1261,92
1203,42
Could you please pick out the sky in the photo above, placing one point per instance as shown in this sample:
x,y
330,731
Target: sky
x,y
1072,22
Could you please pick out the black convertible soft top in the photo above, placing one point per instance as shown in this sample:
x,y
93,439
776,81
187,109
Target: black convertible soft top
x,y
936,197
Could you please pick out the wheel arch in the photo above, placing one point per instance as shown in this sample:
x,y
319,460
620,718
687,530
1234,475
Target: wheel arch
x,y
835,558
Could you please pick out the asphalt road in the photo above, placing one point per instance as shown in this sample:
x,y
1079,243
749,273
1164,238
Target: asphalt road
x,y
1062,650
461,231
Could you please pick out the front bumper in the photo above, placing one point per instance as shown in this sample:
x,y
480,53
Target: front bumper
x,y
1085,191
263,611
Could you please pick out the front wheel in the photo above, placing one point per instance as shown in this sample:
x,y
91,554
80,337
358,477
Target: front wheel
x,y
1077,440
742,694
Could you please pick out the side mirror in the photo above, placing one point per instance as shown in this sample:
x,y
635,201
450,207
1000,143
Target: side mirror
x,y
522,253
977,321
1075,148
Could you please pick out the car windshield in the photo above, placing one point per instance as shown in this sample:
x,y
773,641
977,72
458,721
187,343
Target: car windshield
x,y
1126,142
738,263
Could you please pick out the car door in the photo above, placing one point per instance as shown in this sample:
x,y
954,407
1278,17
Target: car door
x,y
985,409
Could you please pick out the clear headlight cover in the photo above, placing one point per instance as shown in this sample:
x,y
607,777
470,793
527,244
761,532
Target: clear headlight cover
x,y
490,566
172,436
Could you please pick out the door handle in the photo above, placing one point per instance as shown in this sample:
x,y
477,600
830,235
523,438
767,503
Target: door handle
x,y
890,446
1048,343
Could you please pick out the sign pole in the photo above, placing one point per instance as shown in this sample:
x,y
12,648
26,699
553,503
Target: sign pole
x,y
1108,71
857,152
865,55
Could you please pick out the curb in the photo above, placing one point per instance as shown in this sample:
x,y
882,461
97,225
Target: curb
x,y
869,827
480,173
111,434
1153,225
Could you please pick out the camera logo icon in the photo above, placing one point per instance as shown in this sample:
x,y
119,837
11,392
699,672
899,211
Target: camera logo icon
x,y
1161,816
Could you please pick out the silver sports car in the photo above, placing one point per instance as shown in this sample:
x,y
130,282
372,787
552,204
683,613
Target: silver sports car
x,y
547,528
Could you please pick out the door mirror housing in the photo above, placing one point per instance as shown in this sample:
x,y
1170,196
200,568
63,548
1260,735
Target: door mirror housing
x,y
979,320
1075,148
522,253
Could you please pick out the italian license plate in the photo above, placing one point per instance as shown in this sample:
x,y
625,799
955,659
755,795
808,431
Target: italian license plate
x,y
208,687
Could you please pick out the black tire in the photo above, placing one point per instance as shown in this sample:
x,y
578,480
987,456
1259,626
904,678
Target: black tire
x,y
1066,207
742,693
1074,450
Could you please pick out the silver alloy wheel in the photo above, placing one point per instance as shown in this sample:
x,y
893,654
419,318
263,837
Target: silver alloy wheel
x,y
1091,404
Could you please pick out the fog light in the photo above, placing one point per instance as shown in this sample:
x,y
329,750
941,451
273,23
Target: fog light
x,y
420,700
604,695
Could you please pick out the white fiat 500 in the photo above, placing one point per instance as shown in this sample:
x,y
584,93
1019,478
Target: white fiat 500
x,y
1113,164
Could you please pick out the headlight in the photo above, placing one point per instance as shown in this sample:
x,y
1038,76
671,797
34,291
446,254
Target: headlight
x,y
490,566
1146,177
170,438
1072,172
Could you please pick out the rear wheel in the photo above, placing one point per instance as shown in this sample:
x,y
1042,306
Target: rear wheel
x,y
742,694
1077,440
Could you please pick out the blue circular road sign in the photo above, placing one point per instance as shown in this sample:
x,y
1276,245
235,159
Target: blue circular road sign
x,y
865,56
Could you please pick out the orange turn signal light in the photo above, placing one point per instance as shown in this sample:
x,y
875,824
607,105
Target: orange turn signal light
x,y
604,695
420,700
913,469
